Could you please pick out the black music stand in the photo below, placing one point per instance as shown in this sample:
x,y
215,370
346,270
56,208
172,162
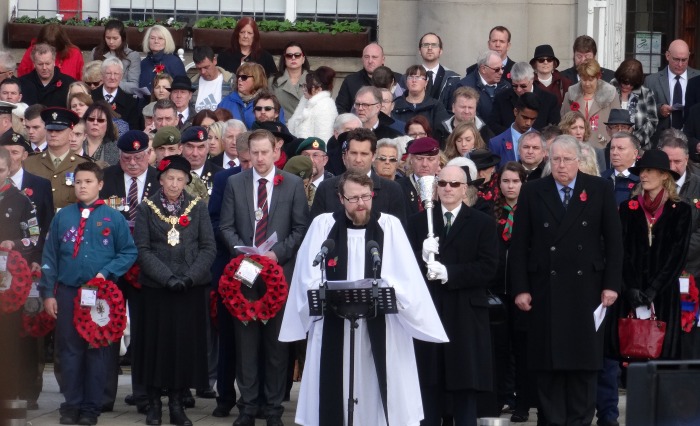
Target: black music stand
x,y
352,302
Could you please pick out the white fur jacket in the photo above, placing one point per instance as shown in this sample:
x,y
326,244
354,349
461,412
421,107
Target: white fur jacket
x,y
314,117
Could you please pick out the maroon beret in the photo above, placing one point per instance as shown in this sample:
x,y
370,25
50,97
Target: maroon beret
x,y
424,146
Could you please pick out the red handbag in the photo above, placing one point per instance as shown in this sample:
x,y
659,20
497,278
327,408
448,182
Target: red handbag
x,y
641,339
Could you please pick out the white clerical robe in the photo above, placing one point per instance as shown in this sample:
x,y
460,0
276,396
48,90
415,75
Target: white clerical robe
x,y
417,318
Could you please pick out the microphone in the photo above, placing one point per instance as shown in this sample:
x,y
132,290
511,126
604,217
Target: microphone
x,y
373,249
327,246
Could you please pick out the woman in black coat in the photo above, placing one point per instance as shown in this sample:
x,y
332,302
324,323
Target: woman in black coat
x,y
176,249
656,233
416,101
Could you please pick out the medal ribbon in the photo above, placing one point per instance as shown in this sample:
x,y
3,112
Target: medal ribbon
x,y
83,220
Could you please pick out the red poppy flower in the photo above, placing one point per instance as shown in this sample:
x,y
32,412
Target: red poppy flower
x,y
697,204
106,232
59,83
630,185
114,107
184,220
163,164
575,106
488,196
28,192
159,68
502,222
509,146
633,204
200,135
508,76
583,197
332,263
278,179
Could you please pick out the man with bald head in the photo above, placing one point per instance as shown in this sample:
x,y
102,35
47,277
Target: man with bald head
x,y
372,58
669,86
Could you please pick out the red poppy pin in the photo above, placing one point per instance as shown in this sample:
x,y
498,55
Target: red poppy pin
x,y
574,106
630,185
114,107
509,146
697,203
508,76
184,220
159,68
136,145
583,197
28,192
106,232
163,164
633,204
333,262
502,222
278,179
59,83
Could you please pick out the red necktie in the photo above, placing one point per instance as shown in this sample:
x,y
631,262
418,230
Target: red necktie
x,y
231,163
81,228
261,226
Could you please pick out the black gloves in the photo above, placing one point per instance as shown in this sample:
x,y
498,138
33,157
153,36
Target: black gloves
x,y
636,297
176,285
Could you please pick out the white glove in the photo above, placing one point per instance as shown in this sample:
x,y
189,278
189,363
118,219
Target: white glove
x,y
430,245
438,269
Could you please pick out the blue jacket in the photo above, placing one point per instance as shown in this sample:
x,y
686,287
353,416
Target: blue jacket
x,y
498,145
243,110
108,252
173,66
485,104
623,186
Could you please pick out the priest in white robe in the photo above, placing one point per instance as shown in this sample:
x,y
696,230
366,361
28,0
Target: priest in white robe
x,y
385,388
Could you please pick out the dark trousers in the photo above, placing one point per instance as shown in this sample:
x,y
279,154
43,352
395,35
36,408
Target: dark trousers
x,y
252,340
525,382
567,397
226,367
112,376
607,396
463,407
138,390
84,371
212,346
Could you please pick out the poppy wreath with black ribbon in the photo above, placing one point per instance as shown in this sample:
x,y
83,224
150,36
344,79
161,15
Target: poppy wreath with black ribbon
x,y
14,297
107,294
689,304
132,276
262,309
36,322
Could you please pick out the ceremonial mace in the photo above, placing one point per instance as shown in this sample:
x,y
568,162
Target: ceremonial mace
x,y
426,187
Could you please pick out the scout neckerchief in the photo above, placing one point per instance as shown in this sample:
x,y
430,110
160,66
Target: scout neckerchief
x,y
84,215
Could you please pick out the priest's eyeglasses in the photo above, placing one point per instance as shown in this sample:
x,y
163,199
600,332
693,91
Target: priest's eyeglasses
x,y
357,198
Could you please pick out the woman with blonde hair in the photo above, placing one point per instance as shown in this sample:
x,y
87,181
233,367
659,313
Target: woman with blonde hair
x,y
575,124
79,103
464,139
588,163
77,87
215,138
159,47
92,74
250,80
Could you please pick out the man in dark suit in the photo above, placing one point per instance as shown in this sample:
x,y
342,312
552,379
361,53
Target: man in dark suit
x,y
532,150
585,48
522,78
566,256
464,102
669,86
624,150
488,80
440,79
181,94
506,144
358,152
692,94
46,84
122,103
692,131
281,208
229,156
499,41
423,156
466,262
195,149
368,104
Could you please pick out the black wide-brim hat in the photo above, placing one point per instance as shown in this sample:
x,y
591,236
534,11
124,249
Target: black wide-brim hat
x,y
181,82
175,162
544,51
483,158
654,159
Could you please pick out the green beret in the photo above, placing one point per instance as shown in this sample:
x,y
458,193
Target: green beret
x,y
311,143
300,165
168,135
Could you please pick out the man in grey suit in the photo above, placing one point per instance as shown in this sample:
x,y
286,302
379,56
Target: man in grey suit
x,y
669,86
258,202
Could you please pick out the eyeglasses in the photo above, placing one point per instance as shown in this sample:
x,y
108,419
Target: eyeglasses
x,y
543,60
243,77
134,158
453,183
96,120
93,83
520,86
679,60
364,106
264,108
563,160
383,159
430,45
416,77
293,55
357,198
417,135
496,70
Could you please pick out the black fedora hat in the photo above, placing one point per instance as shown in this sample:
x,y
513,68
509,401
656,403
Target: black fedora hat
x,y
472,182
619,116
654,159
181,82
544,51
483,158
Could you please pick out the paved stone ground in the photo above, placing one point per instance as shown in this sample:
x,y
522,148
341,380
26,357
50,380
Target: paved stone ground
x,y
123,414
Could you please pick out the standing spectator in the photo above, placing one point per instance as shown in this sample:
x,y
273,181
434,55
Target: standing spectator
x,y
212,82
424,159
464,102
181,95
45,84
246,47
463,140
417,102
8,65
316,112
637,99
10,90
624,150
289,83
229,157
68,60
488,81
111,92
440,79
100,144
368,103
250,79
547,77
506,144
585,49
386,160
499,42
215,139
159,47
566,257
533,153
113,45
161,87
35,129
92,74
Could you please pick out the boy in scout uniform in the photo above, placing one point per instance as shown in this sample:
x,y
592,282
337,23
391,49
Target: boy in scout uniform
x,y
57,163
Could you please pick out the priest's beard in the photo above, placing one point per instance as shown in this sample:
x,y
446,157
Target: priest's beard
x,y
359,217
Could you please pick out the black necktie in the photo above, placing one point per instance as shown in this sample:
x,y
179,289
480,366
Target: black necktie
x,y
133,198
261,226
448,222
180,121
108,98
567,196
677,116
429,87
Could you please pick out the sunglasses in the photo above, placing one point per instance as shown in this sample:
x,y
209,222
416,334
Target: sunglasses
x,y
453,184
543,60
293,55
496,70
243,77
93,83
96,120
389,159
264,108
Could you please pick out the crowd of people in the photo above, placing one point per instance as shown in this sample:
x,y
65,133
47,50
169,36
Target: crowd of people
x,y
558,192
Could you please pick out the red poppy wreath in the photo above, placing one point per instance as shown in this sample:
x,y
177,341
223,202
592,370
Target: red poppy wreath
x,y
13,297
132,275
36,322
105,322
262,309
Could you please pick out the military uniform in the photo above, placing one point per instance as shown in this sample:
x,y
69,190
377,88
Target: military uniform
x,y
61,177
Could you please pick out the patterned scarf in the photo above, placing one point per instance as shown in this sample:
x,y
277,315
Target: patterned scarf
x,y
172,207
7,185
508,228
84,215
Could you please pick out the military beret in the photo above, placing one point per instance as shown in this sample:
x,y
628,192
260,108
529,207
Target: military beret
x,y
312,143
424,146
12,138
300,165
148,110
168,135
133,141
194,134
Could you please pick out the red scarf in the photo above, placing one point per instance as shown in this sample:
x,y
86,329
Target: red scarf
x,y
652,208
83,220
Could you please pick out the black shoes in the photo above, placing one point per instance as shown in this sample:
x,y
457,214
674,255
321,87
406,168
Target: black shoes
x,y
69,419
222,410
244,420
274,421
87,420
206,393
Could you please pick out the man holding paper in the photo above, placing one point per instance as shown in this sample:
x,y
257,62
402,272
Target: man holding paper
x,y
258,203
565,261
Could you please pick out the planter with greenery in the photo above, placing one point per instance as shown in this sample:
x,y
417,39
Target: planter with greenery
x,y
318,38
87,33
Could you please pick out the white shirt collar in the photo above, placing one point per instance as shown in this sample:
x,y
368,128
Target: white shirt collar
x,y
236,161
454,211
318,180
18,178
270,176
199,171
681,181
113,94
41,147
